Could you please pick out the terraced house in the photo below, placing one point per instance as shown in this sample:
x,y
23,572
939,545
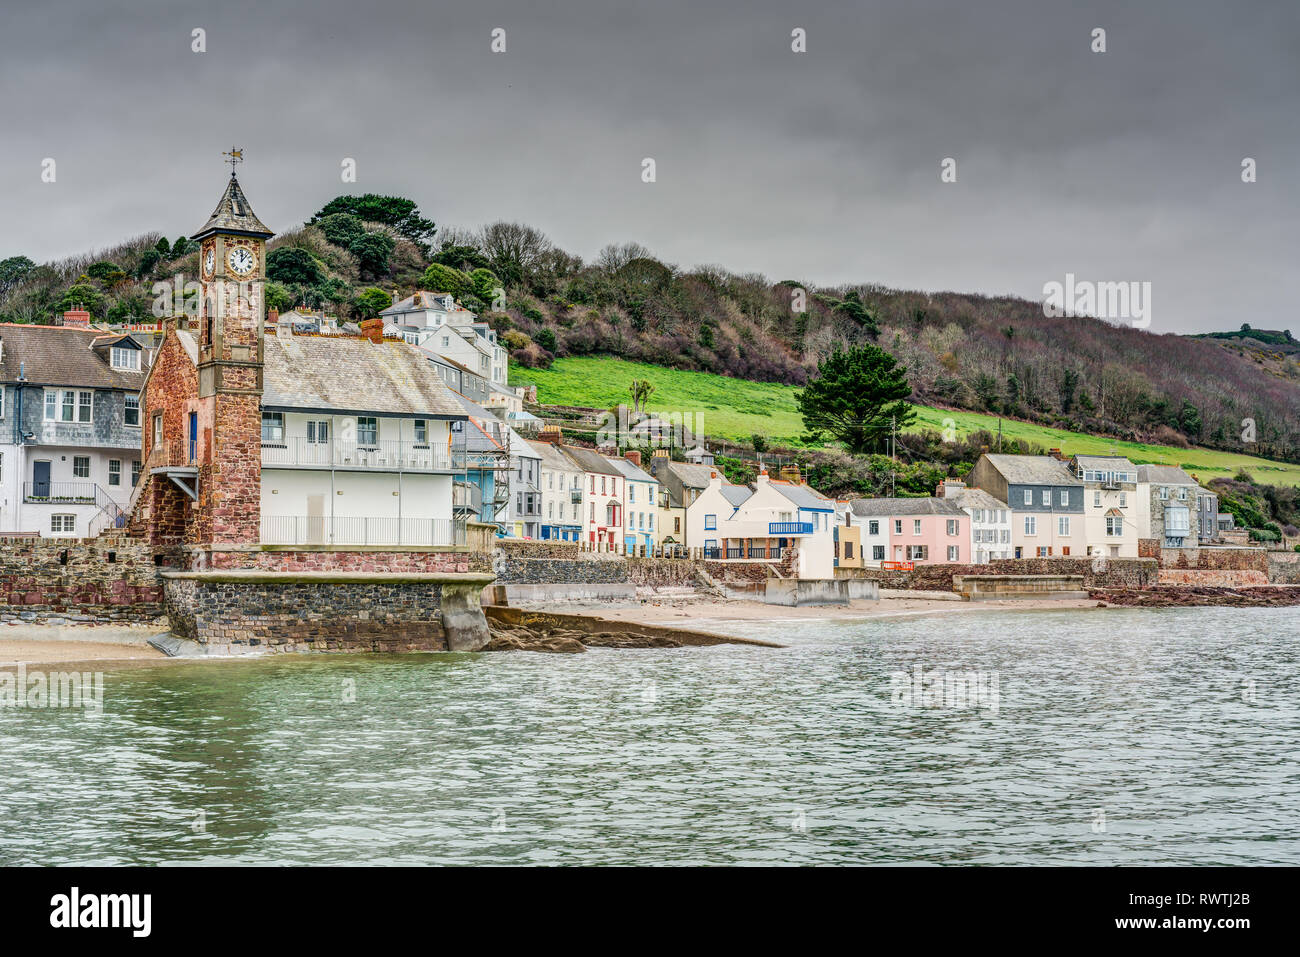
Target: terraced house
x,y
69,427
1045,498
1110,504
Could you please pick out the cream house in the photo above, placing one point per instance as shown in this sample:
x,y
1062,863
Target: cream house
x,y
1110,504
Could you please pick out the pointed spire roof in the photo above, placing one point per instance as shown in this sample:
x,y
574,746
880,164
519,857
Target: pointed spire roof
x,y
234,215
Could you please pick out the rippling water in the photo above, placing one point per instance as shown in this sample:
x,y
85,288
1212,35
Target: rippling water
x,y
704,755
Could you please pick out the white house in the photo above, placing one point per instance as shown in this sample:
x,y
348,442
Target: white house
x,y
438,323
1110,506
602,497
734,522
69,428
640,502
990,519
356,443
562,496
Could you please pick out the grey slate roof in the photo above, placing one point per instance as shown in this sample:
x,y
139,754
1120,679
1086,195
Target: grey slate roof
x,y
737,495
693,476
552,458
973,498
1164,475
1033,470
233,215
61,355
346,374
803,496
589,460
629,470
1104,462
877,507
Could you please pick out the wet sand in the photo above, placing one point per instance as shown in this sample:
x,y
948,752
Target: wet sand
x,y
70,645
685,612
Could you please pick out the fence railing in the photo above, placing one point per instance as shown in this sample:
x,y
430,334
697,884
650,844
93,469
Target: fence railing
x,y
60,493
386,456
360,530
789,528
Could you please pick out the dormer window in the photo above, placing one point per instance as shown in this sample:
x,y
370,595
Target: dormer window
x,y
121,357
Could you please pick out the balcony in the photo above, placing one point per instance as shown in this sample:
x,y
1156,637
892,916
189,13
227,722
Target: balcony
x,y
789,528
360,530
298,453
59,493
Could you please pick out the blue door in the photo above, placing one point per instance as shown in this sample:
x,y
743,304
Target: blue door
x,y
40,479
194,436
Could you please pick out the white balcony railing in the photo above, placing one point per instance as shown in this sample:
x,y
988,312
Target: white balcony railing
x,y
360,530
379,456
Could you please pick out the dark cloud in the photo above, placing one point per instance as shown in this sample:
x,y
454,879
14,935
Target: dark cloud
x,y
821,166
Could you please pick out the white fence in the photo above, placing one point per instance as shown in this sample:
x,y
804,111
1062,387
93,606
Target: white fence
x,y
360,530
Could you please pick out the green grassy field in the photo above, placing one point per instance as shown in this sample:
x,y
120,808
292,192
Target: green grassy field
x,y
736,409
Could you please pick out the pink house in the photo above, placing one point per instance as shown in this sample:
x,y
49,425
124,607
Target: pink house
x,y
924,531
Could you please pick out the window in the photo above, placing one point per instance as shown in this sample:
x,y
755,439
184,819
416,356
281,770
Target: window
x,y
318,432
273,427
81,466
652,521
877,553
1043,551
135,473
1006,536
1029,497
1031,525
952,553
898,526
1123,500
710,523
593,511
114,472
157,428
1064,497
952,526
68,405
631,493
1063,526
367,430
916,526
63,524
918,552
1047,497
1096,500
1114,525
848,549
131,415
122,357
873,527
1164,493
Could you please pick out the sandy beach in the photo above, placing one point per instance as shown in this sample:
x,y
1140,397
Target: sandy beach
x,y
69,646
689,612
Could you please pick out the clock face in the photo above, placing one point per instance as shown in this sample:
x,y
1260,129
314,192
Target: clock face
x,y
210,261
240,261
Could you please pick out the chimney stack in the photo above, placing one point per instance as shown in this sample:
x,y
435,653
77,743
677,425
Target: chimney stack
x,y
1056,454
373,329
273,315
76,319
791,473
551,434
633,456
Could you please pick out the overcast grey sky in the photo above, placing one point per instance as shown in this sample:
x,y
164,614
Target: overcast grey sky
x,y
820,166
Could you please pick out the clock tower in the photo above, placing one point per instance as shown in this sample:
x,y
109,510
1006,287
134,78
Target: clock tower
x,y
225,433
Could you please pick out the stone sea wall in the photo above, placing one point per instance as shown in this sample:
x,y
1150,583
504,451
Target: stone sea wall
x,y
109,580
240,612
1096,572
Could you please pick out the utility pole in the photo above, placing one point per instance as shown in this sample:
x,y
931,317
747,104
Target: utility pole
x,y
999,435
893,455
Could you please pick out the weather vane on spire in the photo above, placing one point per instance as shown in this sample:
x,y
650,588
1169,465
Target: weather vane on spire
x,y
236,156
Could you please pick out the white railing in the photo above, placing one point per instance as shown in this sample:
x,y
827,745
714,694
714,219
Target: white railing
x,y
360,530
385,456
